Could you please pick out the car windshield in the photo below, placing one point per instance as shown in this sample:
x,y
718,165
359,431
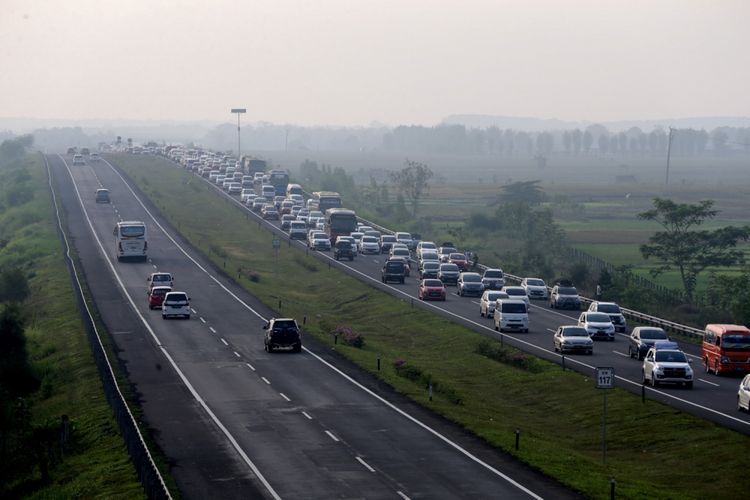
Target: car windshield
x,y
574,332
430,265
427,244
433,283
671,356
401,251
515,291
534,282
513,307
449,268
473,278
493,296
284,325
369,239
457,256
736,342
598,318
162,277
609,308
389,239
567,290
429,256
490,273
653,334
177,296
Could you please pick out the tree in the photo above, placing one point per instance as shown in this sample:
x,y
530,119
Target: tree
x,y
412,182
688,250
17,378
525,192
14,287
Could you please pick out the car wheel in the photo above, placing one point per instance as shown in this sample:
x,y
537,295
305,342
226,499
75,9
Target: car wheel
x,y
297,348
590,352
630,352
496,328
187,316
689,385
556,349
402,281
481,313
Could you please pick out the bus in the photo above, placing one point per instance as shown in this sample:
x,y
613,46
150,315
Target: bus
x,y
131,240
340,222
323,200
294,189
726,349
279,179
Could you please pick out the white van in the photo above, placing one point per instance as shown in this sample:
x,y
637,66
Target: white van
x,y
268,192
175,304
511,314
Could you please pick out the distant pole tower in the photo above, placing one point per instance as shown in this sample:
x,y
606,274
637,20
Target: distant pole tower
x,y
238,111
669,152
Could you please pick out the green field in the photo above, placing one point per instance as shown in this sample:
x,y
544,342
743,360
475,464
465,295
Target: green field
x,y
654,450
97,464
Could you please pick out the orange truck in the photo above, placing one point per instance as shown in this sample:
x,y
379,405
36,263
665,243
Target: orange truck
x,y
726,349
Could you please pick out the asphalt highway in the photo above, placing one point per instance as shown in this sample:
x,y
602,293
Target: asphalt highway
x,y
237,422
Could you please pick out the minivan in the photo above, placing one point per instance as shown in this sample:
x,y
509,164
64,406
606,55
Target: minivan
x,y
725,349
175,304
268,192
511,314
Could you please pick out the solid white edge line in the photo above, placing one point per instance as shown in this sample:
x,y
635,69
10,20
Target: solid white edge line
x,y
367,466
330,435
157,341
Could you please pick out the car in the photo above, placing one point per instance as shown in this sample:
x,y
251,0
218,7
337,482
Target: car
x,y
428,254
351,240
282,333
258,204
407,266
372,232
489,300
511,314
598,325
431,289
286,206
297,199
313,216
743,394
564,296
102,196
95,157
425,245
570,338
234,188
448,273
318,240
78,159
213,175
269,212
493,279
85,151
227,183
297,229
445,251
400,252
459,259
246,194
286,221
343,249
277,201
175,304
469,284
643,338
363,228
517,292
156,296
406,239
428,269
614,312
666,366
393,270
535,288
72,150
160,279
369,244
386,242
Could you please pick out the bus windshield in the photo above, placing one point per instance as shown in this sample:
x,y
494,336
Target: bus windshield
x,y
736,342
343,223
132,231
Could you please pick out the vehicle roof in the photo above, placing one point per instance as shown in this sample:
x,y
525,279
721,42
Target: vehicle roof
x,y
161,287
721,329
669,345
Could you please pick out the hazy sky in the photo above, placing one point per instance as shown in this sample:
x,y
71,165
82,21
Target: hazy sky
x,y
351,62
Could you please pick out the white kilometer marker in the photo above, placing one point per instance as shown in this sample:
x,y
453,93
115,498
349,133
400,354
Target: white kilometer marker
x,y
284,396
236,354
264,379
212,329
202,320
367,466
330,435
225,342
307,415
709,383
250,366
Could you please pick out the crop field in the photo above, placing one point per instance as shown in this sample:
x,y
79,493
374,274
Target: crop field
x,y
487,389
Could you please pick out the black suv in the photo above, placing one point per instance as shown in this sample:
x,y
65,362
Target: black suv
x,y
642,338
343,249
393,270
282,333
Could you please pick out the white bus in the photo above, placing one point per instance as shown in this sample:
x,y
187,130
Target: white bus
x,y
131,240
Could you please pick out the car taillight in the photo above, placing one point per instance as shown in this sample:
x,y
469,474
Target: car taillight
x,y
145,246
119,246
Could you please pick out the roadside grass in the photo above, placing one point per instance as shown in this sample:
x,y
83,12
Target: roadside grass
x,y
653,450
97,465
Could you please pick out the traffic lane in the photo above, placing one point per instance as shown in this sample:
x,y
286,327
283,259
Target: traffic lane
x,y
199,463
319,389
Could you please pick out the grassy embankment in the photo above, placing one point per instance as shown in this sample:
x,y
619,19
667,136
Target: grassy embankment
x,y
654,450
97,465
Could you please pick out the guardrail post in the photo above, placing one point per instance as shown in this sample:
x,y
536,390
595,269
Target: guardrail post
x,y
643,392
378,363
563,362
518,438
612,484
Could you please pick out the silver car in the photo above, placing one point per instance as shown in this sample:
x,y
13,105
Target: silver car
x,y
573,339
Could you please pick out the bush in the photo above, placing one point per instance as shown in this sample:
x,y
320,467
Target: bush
x,y
349,336
509,356
415,374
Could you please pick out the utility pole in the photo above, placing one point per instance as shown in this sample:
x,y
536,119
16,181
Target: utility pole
x,y
238,112
669,152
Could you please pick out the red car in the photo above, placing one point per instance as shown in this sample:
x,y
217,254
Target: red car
x,y
431,289
156,296
460,260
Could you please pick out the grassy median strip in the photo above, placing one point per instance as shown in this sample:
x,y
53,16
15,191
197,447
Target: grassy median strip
x,y
97,463
653,449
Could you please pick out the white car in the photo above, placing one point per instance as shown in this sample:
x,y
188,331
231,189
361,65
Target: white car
x,y
427,255
78,159
247,194
488,302
405,238
234,188
535,288
743,394
400,251
668,366
425,245
517,292
572,338
599,325
614,314
369,244
175,304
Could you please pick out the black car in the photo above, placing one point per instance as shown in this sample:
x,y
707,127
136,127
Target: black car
x,y
642,339
393,270
282,333
343,249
